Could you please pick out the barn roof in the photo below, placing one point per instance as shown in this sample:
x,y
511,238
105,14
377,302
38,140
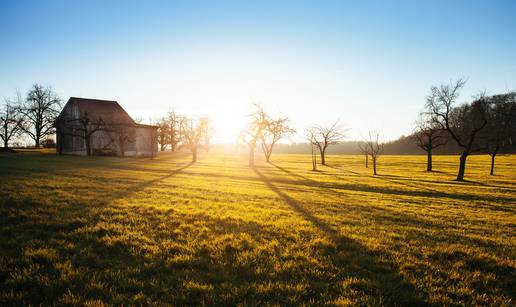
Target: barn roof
x,y
109,110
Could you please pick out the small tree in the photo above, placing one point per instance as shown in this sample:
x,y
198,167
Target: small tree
x,y
428,136
314,157
501,125
313,149
175,122
207,134
252,134
324,136
163,133
364,149
11,120
123,135
374,148
274,130
463,123
83,127
193,134
40,110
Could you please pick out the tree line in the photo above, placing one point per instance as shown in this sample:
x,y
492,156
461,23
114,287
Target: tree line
x,y
485,125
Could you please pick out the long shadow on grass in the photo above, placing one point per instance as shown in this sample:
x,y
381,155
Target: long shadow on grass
x,y
381,190
354,260
387,178
41,165
142,185
388,217
454,182
343,185
292,173
505,274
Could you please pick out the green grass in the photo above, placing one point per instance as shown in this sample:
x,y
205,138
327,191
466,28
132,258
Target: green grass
x,y
79,230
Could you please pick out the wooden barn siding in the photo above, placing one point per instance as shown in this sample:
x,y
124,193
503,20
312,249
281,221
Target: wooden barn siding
x,y
144,138
146,141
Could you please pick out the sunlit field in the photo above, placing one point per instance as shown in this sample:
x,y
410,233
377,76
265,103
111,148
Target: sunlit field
x,y
79,230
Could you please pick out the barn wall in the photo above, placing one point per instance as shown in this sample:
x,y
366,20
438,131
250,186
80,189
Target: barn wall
x,y
146,141
142,140
70,144
129,143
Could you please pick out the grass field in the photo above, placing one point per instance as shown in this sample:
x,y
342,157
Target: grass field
x,y
79,230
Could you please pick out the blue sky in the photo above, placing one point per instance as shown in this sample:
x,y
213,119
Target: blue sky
x,y
369,64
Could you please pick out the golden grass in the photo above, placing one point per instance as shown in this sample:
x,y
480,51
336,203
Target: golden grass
x,y
79,230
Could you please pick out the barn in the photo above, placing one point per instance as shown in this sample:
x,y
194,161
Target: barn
x,y
102,127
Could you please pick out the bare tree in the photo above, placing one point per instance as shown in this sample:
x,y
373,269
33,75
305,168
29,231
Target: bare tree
x,y
428,136
252,134
123,134
207,134
310,135
163,133
83,127
324,136
175,122
193,134
11,120
364,149
501,127
273,131
463,123
40,110
313,149
314,157
374,148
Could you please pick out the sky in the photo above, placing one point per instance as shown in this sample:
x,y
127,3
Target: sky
x,y
367,64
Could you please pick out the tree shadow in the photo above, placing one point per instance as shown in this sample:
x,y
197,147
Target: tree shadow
x,y
342,169
355,260
135,188
388,179
115,271
424,192
434,172
286,171
45,164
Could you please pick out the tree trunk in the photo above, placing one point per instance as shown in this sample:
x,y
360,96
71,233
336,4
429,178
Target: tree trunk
x,y
122,148
492,164
88,146
251,156
429,160
314,159
194,155
4,136
172,140
374,166
37,138
323,158
462,166
366,161
59,145
268,156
